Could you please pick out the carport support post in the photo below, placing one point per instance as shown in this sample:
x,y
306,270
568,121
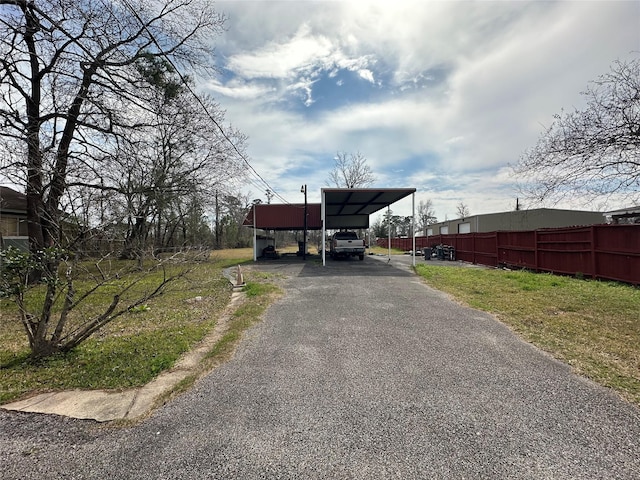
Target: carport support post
x,y
413,227
255,236
389,230
304,239
324,231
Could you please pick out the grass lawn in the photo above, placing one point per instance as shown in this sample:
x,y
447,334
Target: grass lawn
x,y
376,250
591,325
134,348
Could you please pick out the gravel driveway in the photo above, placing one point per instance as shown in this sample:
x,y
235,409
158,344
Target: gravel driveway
x,y
359,372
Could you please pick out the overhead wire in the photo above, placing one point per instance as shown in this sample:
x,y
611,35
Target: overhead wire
x,y
241,155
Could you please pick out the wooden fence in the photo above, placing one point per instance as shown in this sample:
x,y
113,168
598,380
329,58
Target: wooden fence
x,y
610,252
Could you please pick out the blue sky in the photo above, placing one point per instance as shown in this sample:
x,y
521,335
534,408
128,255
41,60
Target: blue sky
x,y
440,96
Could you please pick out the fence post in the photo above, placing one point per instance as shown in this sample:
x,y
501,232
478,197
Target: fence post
x,y
593,252
473,247
535,251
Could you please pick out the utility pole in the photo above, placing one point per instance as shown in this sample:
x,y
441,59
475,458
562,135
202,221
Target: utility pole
x,y
217,226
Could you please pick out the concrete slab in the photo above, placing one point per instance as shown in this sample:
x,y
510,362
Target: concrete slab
x,y
101,406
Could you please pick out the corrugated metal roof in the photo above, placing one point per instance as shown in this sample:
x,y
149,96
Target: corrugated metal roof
x,y
284,217
345,208
351,207
361,201
625,211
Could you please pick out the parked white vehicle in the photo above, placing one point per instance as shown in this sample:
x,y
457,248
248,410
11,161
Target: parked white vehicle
x,y
346,244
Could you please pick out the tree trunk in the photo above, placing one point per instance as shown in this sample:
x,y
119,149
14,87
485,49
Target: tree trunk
x,y
133,243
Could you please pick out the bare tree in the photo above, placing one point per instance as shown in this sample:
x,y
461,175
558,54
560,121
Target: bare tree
x,y
351,171
233,211
77,78
379,227
462,210
71,81
593,153
426,214
177,163
73,325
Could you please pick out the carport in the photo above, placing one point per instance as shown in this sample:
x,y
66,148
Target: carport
x,y
351,207
340,208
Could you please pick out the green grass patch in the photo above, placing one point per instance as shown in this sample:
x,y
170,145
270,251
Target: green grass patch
x,y
113,363
225,346
254,289
593,326
260,294
131,350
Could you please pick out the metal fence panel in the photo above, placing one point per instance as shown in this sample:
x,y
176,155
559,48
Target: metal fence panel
x,y
565,250
616,250
517,249
610,252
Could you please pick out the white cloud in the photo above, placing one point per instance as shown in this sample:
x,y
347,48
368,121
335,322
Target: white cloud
x,y
366,74
305,85
239,89
283,59
463,87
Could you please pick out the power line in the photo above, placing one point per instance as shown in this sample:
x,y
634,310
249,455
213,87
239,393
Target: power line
x,y
201,103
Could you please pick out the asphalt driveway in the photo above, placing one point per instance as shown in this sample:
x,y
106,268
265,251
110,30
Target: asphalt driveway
x,y
359,372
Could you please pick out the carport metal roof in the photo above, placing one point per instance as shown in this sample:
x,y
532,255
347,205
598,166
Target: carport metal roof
x,y
351,207
357,201
283,216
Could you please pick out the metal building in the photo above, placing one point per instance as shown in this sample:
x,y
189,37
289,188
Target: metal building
x,y
517,220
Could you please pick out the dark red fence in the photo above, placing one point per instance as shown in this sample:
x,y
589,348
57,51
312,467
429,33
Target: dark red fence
x,y
609,252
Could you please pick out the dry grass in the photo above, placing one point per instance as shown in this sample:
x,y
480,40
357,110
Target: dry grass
x,y
384,250
241,254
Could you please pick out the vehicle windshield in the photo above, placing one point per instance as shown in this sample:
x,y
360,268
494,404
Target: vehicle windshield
x,y
346,236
